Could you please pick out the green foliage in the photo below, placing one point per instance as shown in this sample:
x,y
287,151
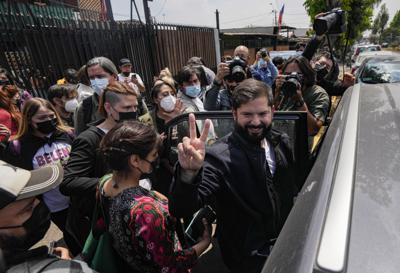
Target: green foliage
x,y
395,23
380,22
392,33
359,14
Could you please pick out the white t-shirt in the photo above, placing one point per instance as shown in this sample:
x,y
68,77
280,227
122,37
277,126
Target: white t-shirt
x,y
122,78
270,156
55,153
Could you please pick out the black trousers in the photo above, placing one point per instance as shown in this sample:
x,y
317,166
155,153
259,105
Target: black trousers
x,y
253,264
59,218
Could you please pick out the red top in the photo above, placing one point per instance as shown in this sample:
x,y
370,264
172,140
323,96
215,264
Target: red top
x,y
6,120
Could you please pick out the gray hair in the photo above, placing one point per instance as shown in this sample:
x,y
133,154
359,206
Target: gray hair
x,y
105,63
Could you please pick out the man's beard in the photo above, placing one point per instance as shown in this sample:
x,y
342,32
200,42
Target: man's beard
x,y
252,137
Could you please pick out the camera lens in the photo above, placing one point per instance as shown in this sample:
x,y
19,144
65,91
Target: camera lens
x,y
289,87
238,74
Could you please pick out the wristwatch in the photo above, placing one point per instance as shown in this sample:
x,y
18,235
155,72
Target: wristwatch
x,y
299,103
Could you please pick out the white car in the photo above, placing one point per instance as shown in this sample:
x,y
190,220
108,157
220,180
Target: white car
x,y
362,56
364,48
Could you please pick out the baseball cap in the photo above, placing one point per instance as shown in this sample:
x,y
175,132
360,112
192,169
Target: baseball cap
x,y
17,183
124,61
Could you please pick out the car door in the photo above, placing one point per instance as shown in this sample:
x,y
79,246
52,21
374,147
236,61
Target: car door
x,y
294,124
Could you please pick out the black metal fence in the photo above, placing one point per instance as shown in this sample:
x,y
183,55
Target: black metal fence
x,y
38,46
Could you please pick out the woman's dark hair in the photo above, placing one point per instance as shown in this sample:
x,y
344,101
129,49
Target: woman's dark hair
x,y
305,68
71,75
62,90
249,90
126,139
201,75
185,74
7,93
278,60
82,76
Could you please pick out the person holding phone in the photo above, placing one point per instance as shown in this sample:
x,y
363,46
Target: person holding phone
x,y
246,175
126,75
134,81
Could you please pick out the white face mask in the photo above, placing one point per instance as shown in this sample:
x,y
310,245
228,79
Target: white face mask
x,y
71,105
168,103
99,85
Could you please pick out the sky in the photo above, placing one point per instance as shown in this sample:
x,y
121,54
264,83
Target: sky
x,y
233,13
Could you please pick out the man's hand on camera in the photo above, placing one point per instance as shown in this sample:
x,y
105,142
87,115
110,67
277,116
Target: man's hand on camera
x,y
222,71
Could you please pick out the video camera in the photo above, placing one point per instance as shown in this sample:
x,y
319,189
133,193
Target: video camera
x,y
292,81
333,22
237,68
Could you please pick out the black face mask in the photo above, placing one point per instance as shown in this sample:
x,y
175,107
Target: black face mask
x,y
126,74
36,227
47,127
154,165
4,82
243,132
127,116
322,72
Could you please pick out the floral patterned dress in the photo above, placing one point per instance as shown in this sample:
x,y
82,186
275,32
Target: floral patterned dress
x,y
144,234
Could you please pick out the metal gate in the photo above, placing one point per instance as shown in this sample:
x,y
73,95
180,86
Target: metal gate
x,y
38,45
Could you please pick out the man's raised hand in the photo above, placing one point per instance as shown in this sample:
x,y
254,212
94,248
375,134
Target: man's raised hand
x,y
192,150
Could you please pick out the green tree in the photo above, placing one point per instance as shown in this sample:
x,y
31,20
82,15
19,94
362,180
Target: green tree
x,y
380,22
359,14
392,33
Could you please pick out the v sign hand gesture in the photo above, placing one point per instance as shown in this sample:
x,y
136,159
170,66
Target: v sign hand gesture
x,y
192,150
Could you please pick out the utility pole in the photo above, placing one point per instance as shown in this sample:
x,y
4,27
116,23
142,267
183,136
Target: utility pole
x,y
147,13
150,35
275,20
131,10
217,18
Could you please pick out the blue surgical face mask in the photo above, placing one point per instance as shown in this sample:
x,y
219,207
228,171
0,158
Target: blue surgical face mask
x,y
99,85
261,63
193,91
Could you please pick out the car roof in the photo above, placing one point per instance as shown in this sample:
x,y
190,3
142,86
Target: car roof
x,y
374,241
378,53
366,56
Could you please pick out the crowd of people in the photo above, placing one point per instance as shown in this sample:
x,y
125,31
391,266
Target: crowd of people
x,y
96,142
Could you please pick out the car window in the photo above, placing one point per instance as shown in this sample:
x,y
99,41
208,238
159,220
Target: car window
x,y
381,71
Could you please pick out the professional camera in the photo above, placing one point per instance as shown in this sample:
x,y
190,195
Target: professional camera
x,y
332,22
237,68
292,81
263,52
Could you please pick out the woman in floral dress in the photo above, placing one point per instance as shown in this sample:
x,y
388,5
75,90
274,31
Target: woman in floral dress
x,y
141,227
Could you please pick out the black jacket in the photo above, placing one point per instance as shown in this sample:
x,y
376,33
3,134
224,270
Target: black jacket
x,y
218,99
81,176
250,211
20,152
